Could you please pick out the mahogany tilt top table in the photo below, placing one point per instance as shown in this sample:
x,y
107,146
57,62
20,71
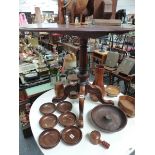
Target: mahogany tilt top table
x,y
83,32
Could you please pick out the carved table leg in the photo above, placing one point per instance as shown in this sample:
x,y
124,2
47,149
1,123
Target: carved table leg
x,y
94,90
67,90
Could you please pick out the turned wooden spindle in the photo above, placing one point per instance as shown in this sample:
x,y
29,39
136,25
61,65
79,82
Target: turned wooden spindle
x,y
81,106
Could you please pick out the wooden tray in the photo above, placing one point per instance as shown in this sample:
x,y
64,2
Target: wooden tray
x,y
108,118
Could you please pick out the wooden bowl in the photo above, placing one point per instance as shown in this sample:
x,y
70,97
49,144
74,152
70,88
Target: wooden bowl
x,y
71,135
112,90
127,104
47,108
109,118
67,119
49,138
48,121
64,106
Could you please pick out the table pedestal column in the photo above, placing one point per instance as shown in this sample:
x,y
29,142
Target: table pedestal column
x,y
83,86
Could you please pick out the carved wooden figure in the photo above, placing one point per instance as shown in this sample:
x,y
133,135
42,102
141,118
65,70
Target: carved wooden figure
x,y
80,8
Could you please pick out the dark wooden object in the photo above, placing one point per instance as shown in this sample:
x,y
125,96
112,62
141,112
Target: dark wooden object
x,y
84,32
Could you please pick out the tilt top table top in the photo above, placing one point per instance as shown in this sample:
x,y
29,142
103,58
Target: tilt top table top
x,y
78,30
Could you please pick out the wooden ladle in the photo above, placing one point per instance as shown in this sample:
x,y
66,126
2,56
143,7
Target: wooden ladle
x,y
95,139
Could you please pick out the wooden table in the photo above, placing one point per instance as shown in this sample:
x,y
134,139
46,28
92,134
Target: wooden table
x,y
120,142
83,32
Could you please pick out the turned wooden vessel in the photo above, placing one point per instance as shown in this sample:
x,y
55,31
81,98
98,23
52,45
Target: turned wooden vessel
x,y
98,81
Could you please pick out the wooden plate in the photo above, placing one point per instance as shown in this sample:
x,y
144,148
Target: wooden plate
x,y
47,108
112,90
48,121
64,106
127,104
71,135
67,119
108,118
49,138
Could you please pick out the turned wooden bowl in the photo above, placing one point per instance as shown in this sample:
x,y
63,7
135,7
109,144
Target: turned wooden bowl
x,y
71,135
127,104
48,121
112,90
47,108
64,106
67,119
49,138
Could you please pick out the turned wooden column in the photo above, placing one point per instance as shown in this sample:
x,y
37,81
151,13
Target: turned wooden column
x,y
83,61
83,76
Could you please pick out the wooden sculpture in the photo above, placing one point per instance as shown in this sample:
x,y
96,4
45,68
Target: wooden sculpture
x,y
80,8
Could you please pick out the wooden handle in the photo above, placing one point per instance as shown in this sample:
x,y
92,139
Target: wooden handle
x,y
105,144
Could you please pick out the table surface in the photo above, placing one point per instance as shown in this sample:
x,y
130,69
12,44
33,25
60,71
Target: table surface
x,y
120,142
80,30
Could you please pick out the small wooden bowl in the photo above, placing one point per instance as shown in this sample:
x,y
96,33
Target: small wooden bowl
x,y
67,119
49,138
47,108
71,135
112,90
48,121
127,104
64,106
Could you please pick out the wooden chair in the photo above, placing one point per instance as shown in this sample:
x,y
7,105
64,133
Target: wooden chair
x,y
118,45
125,72
111,63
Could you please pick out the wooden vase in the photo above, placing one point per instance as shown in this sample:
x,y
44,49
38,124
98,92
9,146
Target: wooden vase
x,y
98,81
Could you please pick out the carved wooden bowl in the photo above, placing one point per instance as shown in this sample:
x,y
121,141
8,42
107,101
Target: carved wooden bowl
x,y
47,108
109,118
49,138
112,90
71,135
48,121
127,104
64,106
67,119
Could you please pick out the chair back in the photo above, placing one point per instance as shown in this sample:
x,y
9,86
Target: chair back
x,y
127,66
112,59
